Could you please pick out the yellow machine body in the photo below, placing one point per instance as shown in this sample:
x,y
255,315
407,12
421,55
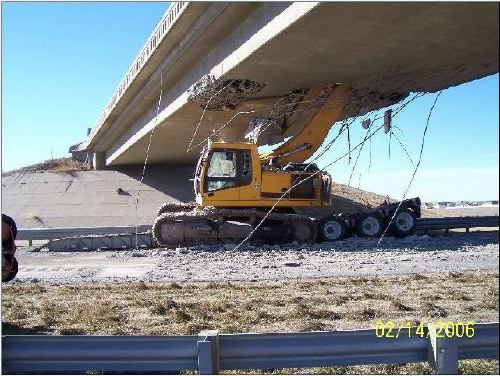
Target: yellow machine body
x,y
232,175
235,175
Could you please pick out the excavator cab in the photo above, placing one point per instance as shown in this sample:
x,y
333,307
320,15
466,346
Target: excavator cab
x,y
225,173
234,175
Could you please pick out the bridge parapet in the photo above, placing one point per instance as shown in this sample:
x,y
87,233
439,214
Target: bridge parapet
x,y
379,48
172,14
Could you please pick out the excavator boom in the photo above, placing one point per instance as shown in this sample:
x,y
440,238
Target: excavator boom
x,y
328,106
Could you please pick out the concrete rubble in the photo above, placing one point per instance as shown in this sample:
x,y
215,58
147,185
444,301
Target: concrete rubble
x,y
457,252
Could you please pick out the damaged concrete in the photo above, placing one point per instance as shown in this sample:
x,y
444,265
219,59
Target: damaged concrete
x,y
214,95
376,47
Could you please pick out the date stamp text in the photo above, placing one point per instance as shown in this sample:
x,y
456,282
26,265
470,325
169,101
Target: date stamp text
x,y
442,329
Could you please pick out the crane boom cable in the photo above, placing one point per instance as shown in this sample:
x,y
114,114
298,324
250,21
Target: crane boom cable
x,y
146,158
422,144
341,130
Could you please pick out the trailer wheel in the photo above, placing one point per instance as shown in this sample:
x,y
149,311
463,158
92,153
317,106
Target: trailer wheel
x,y
370,225
332,228
404,223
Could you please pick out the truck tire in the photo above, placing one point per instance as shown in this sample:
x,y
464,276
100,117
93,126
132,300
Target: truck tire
x,y
13,271
332,228
404,223
370,225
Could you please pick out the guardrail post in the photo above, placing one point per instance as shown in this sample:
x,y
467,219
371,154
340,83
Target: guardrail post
x,y
442,352
208,352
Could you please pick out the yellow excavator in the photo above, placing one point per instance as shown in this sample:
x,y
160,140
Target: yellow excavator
x,y
236,187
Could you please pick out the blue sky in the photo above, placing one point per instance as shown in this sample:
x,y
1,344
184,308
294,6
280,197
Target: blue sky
x,y
460,156
61,63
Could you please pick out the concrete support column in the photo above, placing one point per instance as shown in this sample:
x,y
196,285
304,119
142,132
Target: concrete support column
x,y
99,160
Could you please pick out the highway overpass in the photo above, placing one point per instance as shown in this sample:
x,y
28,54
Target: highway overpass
x,y
211,61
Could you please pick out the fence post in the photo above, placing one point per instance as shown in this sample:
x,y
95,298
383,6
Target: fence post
x,y
208,352
442,352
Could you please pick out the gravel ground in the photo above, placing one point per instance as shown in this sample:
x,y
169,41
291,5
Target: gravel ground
x,y
455,252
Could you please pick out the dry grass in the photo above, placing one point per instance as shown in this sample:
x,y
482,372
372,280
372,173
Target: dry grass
x,y
188,308
475,367
55,165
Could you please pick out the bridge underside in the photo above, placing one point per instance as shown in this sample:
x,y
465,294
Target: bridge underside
x,y
280,47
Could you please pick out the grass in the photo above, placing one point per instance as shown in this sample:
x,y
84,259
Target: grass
x,y
476,366
284,306
183,308
58,165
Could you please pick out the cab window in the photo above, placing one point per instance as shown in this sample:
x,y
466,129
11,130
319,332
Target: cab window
x,y
222,170
222,165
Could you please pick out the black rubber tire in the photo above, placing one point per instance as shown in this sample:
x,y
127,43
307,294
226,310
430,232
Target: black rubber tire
x,y
370,225
13,271
11,223
404,223
332,228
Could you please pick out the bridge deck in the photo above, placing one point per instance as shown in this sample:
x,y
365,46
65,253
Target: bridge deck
x,y
387,46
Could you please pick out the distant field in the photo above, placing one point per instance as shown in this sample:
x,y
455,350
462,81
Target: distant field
x,y
472,211
461,212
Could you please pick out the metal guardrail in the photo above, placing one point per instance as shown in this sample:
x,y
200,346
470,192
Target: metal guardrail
x,y
103,242
210,352
66,232
447,223
59,354
90,238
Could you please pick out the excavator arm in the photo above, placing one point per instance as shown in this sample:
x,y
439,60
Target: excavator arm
x,y
328,106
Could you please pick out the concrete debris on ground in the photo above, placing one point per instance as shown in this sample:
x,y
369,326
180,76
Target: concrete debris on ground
x,y
457,252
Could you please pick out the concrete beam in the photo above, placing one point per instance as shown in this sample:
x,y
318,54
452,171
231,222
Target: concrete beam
x,y
387,47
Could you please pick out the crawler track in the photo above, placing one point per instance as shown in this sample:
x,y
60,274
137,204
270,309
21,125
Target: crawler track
x,y
212,225
89,239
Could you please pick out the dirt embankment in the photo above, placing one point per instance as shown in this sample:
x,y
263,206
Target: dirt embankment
x,y
55,166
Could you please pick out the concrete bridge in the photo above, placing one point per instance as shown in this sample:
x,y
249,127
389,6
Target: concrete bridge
x,y
223,63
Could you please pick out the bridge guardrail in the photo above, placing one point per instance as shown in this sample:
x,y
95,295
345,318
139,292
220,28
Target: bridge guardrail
x,y
210,352
171,16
